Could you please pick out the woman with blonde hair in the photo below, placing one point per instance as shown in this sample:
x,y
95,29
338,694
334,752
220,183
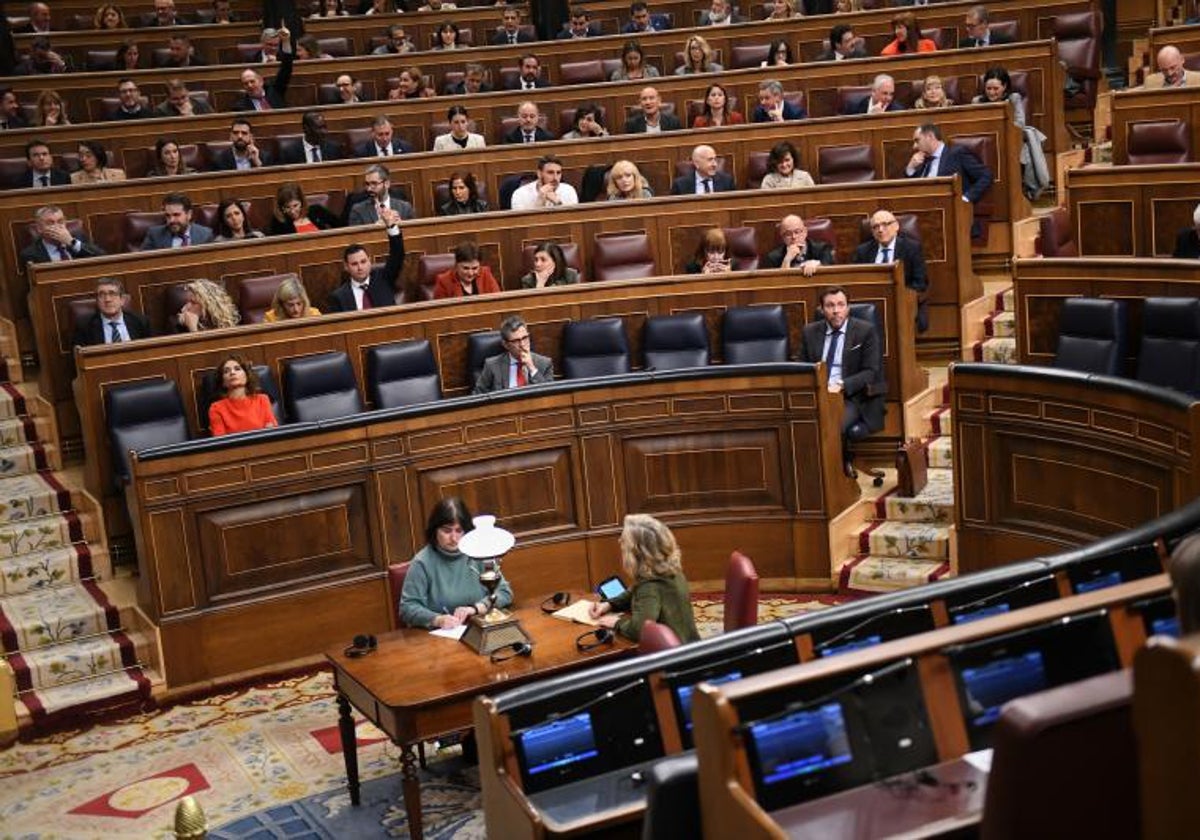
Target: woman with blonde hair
x,y
651,557
625,182
933,94
208,307
51,110
290,301
697,58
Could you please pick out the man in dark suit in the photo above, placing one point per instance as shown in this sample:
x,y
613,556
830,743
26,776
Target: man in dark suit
x,y
511,32
384,142
1187,243
528,130
111,323
55,242
843,44
887,246
179,102
177,229
853,357
979,34
182,53
797,250
531,75
580,25
640,20
11,117
881,100
706,179
772,107
378,183
652,117
932,158
165,14
368,287
133,106
316,146
719,14
260,95
243,152
39,21
518,365
41,171
474,80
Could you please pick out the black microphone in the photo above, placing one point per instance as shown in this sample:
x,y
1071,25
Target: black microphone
x,y
583,707
995,596
671,676
871,619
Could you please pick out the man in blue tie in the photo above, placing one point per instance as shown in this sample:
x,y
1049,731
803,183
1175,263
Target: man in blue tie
x,y
889,245
55,242
111,323
853,357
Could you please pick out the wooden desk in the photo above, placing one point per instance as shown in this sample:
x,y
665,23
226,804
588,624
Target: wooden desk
x,y
417,686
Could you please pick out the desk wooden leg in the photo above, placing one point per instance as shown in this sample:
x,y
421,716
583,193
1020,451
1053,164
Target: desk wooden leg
x,y
412,791
349,747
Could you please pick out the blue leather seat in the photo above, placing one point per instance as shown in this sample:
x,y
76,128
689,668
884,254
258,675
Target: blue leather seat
x,y
673,799
1091,336
320,387
403,373
754,334
595,348
481,346
142,415
675,341
1170,351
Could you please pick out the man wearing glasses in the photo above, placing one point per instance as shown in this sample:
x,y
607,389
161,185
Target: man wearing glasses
x,y
889,245
111,323
518,365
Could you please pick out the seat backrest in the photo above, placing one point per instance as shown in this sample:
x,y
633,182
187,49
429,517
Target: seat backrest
x,y
845,164
849,98
429,266
509,184
594,348
255,295
136,224
320,387
622,256
141,415
742,248
983,146
756,169
481,346
208,392
673,799
397,573
1158,141
337,46
1170,352
1005,29
655,637
403,373
821,230
1078,35
1091,336
741,592
743,56
675,341
100,60
754,334
1065,763
582,72
1055,234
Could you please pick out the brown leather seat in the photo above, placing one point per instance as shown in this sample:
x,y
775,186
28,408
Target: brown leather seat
x,y
160,57
570,251
756,169
845,164
14,172
292,144
1006,28
429,266
946,38
741,592
338,47
135,226
1159,141
1078,35
610,66
743,56
983,146
441,192
100,110
256,293
850,97
820,229
742,248
1056,236
582,72
655,637
622,256
97,60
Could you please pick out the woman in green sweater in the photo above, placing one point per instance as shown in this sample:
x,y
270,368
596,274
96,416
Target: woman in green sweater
x,y
649,555
442,588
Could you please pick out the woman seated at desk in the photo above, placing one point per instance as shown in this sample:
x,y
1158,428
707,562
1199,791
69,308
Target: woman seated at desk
x,y
242,407
649,555
442,589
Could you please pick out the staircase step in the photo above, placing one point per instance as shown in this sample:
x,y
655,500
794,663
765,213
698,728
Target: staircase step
x,y
940,420
17,430
935,502
52,616
44,532
23,458
1001,325
867,574
1001,351
131,685
32,495
911,540
1006,300
13,402
80,659
941,451
44,569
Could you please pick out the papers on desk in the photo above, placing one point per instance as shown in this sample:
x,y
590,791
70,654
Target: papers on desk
x,y
577,613
455,633
981,760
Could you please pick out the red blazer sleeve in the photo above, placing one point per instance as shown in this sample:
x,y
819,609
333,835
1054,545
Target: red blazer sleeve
x,y
216,420
262,407
487,281
445,286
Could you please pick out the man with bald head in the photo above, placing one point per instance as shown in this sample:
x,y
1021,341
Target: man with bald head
x,y
706,178
881,100
797,250
261,95
1171,72
888,245
652,118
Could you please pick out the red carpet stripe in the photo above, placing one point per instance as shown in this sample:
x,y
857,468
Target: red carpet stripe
x,y
64,495
864,537
16,396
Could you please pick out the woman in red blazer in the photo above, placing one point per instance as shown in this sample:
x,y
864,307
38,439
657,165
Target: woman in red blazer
x,y
469,277
716,111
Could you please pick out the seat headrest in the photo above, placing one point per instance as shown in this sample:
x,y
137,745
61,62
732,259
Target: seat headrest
x,y
676,332
751,323
1091,317
400,360
143,402
597,337
1165,317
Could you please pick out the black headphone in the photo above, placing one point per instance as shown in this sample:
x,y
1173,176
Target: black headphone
x,y
361,646
509,651
556,602
602,636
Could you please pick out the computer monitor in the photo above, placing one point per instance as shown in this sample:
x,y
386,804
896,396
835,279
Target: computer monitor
x,y
972,603
1122,566
1159,616
793,755
559,744
874,628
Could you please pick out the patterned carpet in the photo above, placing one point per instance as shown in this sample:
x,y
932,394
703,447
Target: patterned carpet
x,y
263,761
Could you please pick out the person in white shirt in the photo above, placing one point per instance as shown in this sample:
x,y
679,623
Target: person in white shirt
x,y
548,190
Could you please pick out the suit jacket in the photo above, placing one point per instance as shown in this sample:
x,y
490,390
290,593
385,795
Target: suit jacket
x,y
91,331
1191,78
862,365
159,237
828,54
370,150
686,184
275,90
501,38
790,112
460,89
364,212
862,106
908,252
446,285
38,253
957,160
666,122
494,376
994,39
658,23
706,19
199,106
540,135
295,154
566,34
1187,245
58,178
381,288
813,250
224,161
142,113
515,83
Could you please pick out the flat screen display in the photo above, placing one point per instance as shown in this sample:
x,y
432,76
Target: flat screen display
x,y
1165,627
1099,582
967,616
990,686
559,744
846,647
611,588
683,694
1158,616
971,603
801,744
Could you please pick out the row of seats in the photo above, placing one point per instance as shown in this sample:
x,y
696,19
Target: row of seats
x,y
1092,338
323,386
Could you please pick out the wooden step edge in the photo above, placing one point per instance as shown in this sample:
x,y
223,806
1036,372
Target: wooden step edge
x,y
971,323
843,529
917,410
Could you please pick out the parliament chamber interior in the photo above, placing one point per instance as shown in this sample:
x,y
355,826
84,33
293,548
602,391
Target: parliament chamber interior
x,y
879,321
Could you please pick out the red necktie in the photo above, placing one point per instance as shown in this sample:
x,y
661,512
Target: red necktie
x,y
521,375
366,298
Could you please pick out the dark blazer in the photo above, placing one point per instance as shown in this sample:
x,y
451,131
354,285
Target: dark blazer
x,y
501,38
566,34
58,178
915,276
790,112
865,103
142,113
370,150
957,160
37,252
494,376
364,212
994,39
224,161
1187,245
318,215
91,331
862,365
706,19
16,121
515,83
540,134
828,54
380,288
686,184
460,89
199,106
637,123
658,23
275,90
295,153
159,237
813,250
